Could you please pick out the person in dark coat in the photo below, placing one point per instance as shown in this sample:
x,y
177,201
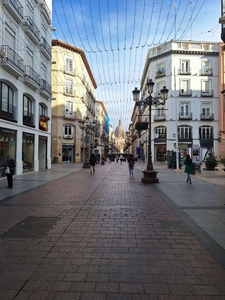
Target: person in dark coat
x,y
10,163
188,167
92,162
131,162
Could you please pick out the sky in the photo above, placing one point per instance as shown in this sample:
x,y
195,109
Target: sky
x,y
117,34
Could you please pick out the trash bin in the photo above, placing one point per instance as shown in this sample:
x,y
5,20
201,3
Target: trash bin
x,y
55,161
193,169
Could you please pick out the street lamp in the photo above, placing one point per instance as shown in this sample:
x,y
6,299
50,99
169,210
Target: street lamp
x,y
150,175
85,127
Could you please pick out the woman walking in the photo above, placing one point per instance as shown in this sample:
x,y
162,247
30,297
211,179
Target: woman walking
x,y
92,162
188,167
10,166
131,164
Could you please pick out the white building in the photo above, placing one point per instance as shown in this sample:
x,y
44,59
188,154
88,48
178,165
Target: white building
x,y
190,117
25,83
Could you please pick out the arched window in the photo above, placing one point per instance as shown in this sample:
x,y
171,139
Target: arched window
x,y
206,132
8,109
184,132
160,132
28,109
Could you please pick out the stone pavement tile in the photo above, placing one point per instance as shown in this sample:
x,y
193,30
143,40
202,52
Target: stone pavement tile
x,y
8,294
56,286
35,295
108,287
93,296
67,296
83,286
132,288
156,288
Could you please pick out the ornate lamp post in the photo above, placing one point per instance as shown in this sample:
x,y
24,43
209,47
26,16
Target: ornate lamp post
x,y
85,127
150,175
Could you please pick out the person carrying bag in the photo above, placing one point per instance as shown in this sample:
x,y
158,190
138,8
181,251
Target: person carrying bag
x,y
9,170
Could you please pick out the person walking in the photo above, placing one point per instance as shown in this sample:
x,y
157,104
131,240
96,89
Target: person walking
x,y
121,159
188,167
92,162
117,158
9,165
131,162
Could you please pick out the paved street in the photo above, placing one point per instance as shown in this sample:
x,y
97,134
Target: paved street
x,y
66,234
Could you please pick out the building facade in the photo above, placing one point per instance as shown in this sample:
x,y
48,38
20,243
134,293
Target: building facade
x,y
73,108
25,83
189,120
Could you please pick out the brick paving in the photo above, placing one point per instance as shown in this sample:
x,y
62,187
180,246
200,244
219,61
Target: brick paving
x,y
116,239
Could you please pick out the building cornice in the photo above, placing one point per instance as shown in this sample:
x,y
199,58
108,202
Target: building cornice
x,y
79,51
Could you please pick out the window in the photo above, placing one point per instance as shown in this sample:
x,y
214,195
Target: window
x,y
69,108
185,87
206,109
184,109
69,87
67,129
6,97
160,132
206,86
184,132
27,106
69,65
185,67
42,110
206,132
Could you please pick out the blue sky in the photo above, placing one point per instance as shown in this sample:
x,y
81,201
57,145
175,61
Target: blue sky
x,y
116,36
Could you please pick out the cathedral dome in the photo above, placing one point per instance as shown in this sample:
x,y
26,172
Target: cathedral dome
x,y
120,131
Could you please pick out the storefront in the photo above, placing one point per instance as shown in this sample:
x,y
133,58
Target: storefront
x,y
28,152
7,144
68,152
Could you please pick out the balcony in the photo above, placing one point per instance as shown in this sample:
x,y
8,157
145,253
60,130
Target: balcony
x,y
160,73
206,71
15,8
46,89
187,116
207,117
31,30
67,136
69,91
185,92
12,62
69,71
45,11
31,78
8,111
206,93
28,120
186,71
45,48
158,118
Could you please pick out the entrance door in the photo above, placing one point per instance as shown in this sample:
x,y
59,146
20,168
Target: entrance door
x,y
42,154
68,153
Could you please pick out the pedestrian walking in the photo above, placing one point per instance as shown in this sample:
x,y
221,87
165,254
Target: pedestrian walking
x,y
9,171
131,162
121,159
92,162
188,167
117,158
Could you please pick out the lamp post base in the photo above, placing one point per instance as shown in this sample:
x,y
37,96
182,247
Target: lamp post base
x,y
150,176
86,165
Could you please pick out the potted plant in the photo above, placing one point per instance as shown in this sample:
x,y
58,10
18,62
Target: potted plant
x,y
141,126
211,162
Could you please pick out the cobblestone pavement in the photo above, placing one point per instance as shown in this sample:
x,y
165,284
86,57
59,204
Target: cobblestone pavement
x,y
107,236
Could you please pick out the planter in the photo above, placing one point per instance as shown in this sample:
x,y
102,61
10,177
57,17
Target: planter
x,y
141,126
